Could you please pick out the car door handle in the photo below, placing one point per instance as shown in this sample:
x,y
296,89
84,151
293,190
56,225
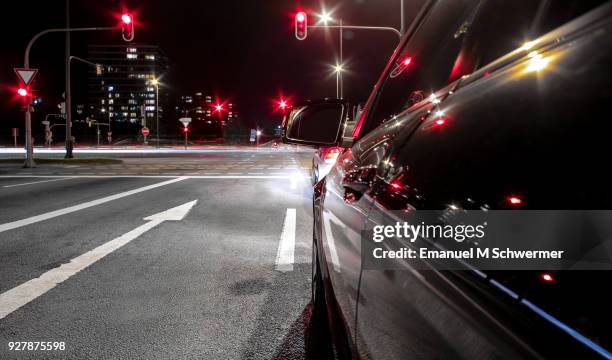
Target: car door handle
x,y
360,179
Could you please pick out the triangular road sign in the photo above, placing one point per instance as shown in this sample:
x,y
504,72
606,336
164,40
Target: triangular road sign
x,y
26,75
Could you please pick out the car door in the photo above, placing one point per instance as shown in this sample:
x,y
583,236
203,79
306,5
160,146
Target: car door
x,y
503,134
342,213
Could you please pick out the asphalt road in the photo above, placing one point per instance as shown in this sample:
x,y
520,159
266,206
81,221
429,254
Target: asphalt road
x,y
210,285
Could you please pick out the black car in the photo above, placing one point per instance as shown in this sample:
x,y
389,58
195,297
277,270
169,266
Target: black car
x,y
483,105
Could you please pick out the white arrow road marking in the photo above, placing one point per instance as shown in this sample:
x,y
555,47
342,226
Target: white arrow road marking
x,y
286,247
19,296
85,205
36,182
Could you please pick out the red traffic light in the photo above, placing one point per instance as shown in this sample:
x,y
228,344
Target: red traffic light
x,y
301,25
218,108
185,129
282,104
126,18
127,27
23,92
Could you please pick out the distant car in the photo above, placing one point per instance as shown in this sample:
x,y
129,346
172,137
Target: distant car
x,y
322,161
484,105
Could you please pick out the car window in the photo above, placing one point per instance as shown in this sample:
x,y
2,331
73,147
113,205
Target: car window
x,y
503,26
425,62
554,13
459,37
523,138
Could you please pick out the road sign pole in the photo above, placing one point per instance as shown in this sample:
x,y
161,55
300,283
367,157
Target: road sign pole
x,y
68,88
14,132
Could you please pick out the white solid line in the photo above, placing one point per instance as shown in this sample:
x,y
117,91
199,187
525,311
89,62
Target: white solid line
x,y
286,247
272,176
19,296
85,205
36,182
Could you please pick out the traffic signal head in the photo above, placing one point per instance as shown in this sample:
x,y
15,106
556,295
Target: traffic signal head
x,y
127,27
185,129
218,108
23,92
301,25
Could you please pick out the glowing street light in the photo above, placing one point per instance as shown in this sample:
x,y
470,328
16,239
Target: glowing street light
x,y
325,17
338,69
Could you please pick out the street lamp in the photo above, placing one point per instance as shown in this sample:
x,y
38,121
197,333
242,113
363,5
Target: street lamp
x,y
155,82
338,69
325,17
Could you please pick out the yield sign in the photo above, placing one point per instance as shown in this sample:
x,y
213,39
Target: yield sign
x,y
26,75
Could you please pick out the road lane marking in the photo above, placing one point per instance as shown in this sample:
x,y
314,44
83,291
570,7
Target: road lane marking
x,y
329,237
85,205
36,182
21,295
286,247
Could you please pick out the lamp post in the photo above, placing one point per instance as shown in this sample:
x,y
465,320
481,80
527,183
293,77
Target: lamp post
x,y
338,69
155,82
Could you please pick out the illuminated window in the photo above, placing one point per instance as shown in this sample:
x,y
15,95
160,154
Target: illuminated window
x,y
132,56
132,50
150,57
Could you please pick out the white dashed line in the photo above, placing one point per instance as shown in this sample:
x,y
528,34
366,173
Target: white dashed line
x,y
286,247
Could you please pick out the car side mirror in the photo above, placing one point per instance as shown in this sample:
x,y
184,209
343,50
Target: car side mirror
x,y
319,123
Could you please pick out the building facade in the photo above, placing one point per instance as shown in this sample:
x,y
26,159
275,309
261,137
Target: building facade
x,y
125,94
209,114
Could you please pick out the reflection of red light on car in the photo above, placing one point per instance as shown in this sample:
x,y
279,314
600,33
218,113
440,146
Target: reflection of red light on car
x,y
329,155
546,277
440,122
515,200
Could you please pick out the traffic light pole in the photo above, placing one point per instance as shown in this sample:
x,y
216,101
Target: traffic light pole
x,y
29,161
355,27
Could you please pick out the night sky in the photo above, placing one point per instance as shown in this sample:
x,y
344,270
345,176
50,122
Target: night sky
x,y
242,50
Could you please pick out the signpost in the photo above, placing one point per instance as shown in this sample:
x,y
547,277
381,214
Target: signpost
x,y
145,133
15,133
186,121
25,76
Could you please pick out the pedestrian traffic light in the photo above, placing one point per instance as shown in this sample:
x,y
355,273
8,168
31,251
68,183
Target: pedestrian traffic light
x,y
127,27
301,25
